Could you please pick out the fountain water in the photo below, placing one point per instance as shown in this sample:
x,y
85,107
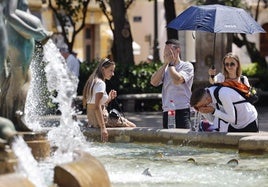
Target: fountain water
x,y
169,165
66,139
27,165
125,163
61,80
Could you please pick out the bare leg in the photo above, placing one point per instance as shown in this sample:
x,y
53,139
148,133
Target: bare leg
x,y
129,123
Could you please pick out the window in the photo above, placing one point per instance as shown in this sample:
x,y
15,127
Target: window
x,y
89,42
137,19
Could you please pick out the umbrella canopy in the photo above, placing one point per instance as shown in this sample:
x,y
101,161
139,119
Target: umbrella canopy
x,y
216,19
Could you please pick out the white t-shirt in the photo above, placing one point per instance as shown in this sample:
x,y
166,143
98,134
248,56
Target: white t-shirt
x,y
180,94
99,87
237,115
221,78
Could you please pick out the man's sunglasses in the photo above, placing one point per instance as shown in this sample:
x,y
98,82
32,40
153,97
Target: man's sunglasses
x,y
231,64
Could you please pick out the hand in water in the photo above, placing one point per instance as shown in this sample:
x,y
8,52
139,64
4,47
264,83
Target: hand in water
x,y
104,134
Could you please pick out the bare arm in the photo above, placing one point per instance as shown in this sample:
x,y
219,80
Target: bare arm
x,y
176,76
112,95
171,58
211,80
158,75
229,112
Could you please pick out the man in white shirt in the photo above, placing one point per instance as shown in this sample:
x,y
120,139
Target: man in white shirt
x,y
176,78
238,114
72,62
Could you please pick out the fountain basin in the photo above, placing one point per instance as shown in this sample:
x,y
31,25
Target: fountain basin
x,y
254,144
178,165
244,142
7,160
15,180
38,143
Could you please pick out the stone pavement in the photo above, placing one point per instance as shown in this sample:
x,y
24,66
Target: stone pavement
x,y
154,119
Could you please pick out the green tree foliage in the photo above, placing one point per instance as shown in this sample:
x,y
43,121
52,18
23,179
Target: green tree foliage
x,y
255,70
136,78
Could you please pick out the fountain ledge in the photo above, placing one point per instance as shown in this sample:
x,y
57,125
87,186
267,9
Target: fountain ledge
x,y
253,143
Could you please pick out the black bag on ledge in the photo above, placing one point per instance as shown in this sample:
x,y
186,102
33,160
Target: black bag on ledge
x,y
114,114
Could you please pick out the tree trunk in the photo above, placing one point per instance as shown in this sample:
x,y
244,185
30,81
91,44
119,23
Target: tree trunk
x,y
170,15
122,45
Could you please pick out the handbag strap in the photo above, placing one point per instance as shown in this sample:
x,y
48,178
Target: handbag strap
x,y
112,85
119,107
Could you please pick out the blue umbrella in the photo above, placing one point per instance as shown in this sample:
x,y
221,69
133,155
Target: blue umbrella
x,y
216,19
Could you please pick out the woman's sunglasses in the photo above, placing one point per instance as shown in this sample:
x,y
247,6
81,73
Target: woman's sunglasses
x,y
231,64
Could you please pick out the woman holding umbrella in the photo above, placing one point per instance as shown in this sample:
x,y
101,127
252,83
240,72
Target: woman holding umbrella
x,y
231,70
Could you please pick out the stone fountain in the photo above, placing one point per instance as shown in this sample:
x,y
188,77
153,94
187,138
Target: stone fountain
x,y
22,40
22,31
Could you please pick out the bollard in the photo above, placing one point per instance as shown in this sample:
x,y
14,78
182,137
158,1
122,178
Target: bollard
x,y
85,171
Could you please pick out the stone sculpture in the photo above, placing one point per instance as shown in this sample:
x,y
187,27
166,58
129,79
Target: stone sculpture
x,y
20,31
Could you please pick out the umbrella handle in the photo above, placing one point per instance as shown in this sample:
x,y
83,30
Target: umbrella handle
x,y
212,67
214,46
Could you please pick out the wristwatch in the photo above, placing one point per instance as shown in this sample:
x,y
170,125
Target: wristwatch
x,y
170,64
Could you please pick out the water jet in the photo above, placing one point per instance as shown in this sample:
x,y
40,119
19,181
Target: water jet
x,y
65,156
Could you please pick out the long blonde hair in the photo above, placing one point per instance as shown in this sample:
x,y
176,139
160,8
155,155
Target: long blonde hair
x,y
236,58
97,73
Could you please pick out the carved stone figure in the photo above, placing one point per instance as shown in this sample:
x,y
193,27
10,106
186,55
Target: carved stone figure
x,y
23,31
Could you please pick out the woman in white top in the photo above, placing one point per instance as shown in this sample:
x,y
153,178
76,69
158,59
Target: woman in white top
x,y
95,99
231,70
